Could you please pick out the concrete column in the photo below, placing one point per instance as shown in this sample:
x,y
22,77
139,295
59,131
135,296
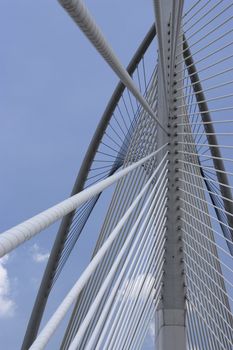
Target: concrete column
x,y
170,315
170,329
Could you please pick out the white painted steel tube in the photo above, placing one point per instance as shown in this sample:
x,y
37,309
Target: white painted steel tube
x,y
18,234
61,311
80,14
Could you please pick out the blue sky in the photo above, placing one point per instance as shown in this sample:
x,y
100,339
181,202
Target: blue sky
x,y
54,89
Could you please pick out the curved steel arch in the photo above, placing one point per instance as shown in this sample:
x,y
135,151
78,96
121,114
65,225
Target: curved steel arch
x,y
48,277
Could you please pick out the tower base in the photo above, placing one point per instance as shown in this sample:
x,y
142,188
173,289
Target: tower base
x,y
170,330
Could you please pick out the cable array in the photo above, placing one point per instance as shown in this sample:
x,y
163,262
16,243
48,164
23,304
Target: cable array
x,y
206,205
130,242
124,194
165,248
109,157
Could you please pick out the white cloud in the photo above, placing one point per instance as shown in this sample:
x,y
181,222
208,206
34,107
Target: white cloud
x,y
37,255
151,330
132,287
7,305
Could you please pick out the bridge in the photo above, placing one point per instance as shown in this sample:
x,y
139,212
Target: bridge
x,y
163,255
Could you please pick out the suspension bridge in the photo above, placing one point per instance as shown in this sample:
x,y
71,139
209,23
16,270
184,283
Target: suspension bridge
x,y
164,144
